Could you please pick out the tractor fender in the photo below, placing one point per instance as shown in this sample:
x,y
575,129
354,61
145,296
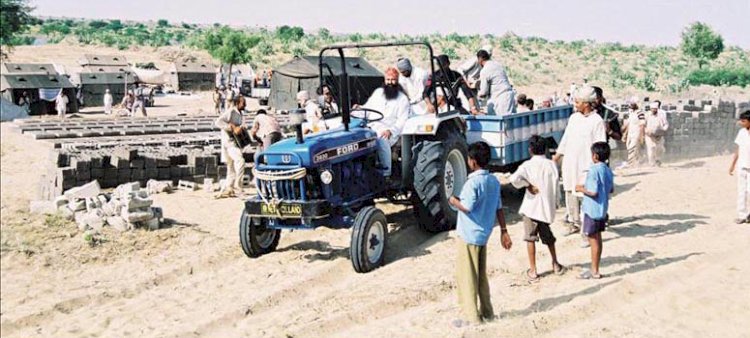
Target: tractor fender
x,y
428,124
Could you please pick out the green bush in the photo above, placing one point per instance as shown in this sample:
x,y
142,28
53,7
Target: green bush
x,y
738,76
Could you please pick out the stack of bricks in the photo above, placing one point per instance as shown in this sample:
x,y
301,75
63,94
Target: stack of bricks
x,y
698,128
116,166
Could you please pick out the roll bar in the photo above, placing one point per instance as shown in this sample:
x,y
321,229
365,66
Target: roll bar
x,y
345,107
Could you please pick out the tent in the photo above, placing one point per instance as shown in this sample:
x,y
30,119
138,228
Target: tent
x,y
94,85
193,76
301,73
150,76
102,72
41,89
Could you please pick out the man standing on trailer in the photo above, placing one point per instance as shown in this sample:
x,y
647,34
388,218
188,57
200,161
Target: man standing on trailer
x,y
495,86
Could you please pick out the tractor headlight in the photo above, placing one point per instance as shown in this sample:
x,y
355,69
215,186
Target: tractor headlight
x,y
326,177
425,128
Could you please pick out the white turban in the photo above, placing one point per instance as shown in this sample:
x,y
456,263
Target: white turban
x,y
586,94
653,105
303,95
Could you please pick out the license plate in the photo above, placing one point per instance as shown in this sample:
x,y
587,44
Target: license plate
x,y
287,210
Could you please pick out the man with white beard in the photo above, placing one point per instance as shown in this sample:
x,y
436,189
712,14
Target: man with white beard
x,y
585,127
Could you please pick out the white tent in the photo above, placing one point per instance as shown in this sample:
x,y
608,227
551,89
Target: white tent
x,y
151,76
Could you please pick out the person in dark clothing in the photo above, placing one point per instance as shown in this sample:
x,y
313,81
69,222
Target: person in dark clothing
x,y
450,81
611,118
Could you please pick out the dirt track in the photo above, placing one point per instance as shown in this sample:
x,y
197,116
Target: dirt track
x,y
675,266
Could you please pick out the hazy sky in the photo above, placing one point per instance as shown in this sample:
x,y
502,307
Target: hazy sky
x,y
654,22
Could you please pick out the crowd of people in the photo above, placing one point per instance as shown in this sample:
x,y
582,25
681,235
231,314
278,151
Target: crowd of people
x,y
581,162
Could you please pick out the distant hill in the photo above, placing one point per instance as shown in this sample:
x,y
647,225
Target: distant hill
x,y
535,65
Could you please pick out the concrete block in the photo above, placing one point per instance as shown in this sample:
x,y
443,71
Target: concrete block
x,y
164,173
138,163
138,203
156,187
124,190
91,189
151,224
119,163
127,154
149,162
137,174
97,173
96,162
151,173
136,216
187,185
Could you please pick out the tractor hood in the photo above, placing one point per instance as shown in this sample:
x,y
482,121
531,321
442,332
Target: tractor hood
x,y
328,147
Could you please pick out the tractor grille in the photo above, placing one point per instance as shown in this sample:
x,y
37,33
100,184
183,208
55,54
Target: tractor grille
x,y
281,184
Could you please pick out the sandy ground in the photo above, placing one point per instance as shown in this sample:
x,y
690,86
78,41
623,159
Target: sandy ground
x,y
675,266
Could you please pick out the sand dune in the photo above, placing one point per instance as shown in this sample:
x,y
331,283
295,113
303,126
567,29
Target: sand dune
x,y
675,263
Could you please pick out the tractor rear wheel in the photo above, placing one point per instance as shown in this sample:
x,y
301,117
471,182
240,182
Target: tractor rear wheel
x,y
440,172
255,238
369,235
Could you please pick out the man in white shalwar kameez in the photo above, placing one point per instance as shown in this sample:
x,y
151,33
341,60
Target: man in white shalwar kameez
x,y
585,127
61,104
413,80
393,103
494,84
108,102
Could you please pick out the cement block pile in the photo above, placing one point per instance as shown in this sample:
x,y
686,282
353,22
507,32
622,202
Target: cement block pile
x,y
113,167
126,208
701,128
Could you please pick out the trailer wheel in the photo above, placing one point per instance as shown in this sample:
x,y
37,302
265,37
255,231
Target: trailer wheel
x,y
369,237
255,238
440,171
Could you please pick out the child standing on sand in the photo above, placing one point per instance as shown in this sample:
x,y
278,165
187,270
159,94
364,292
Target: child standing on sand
x,y
539,175
599,184
479,210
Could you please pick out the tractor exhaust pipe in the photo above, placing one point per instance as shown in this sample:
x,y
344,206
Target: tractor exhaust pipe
x,y
296,118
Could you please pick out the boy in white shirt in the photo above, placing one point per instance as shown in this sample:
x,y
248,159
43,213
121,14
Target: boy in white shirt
x,y
539,175
741,162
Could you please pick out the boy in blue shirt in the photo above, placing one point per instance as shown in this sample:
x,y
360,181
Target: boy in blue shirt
x,y
479,210
599,184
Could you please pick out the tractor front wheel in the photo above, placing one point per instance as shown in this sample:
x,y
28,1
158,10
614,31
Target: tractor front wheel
x,y
369,234
255,238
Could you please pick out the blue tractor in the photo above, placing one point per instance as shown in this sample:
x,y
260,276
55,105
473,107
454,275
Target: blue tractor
x,y
332,179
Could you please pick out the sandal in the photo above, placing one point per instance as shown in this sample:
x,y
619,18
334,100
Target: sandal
x,y
531,278
588,275
559,269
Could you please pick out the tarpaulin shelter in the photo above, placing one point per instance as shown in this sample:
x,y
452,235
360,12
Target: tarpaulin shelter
x,y
102,72
302,73
198,76
40,82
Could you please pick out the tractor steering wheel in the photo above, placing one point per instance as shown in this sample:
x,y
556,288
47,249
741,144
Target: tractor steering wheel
x,y
366,111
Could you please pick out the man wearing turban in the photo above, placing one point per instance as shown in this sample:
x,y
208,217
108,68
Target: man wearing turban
x,y
392,102
585,127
